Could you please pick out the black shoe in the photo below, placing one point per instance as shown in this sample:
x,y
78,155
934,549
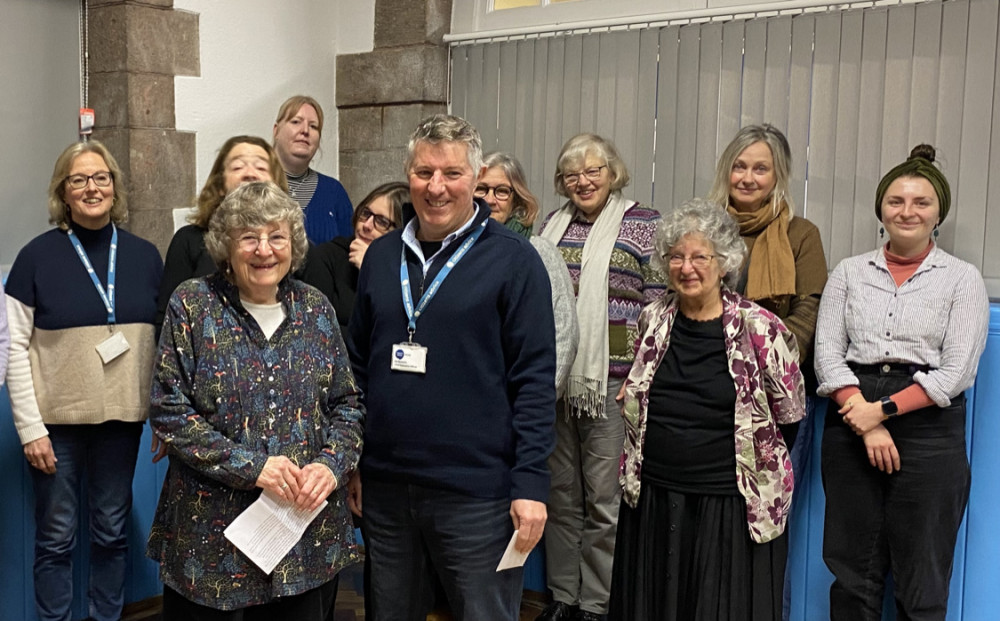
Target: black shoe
x,y
584,615
558,611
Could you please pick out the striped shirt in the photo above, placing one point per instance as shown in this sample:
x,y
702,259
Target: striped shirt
x,y
938,317
633,282
303,187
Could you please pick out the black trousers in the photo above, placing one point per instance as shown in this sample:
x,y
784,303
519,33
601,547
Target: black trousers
x,y
313,605
905,522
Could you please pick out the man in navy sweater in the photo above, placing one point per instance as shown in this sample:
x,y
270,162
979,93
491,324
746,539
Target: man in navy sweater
x,y
453,343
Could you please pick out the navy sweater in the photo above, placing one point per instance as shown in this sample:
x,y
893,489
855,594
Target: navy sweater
x,y
49,277
479,422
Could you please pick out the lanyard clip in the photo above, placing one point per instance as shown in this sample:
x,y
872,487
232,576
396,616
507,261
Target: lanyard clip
x,y
410,331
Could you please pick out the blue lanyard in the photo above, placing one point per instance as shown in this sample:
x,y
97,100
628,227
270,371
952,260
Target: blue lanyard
x,y
109,297
404,279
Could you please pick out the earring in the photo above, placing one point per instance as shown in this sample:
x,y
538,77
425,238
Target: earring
x,y
881,232
936,231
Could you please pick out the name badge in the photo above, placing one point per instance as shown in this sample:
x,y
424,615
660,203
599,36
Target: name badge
x,y
112,347
409,358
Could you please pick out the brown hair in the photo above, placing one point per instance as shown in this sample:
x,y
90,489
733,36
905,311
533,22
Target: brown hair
x,y
214,190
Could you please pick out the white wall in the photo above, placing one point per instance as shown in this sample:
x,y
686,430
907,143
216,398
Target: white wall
x,y
39,110
255,54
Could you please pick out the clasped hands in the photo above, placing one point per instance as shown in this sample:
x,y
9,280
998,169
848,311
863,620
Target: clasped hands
x,y
307,487
865,419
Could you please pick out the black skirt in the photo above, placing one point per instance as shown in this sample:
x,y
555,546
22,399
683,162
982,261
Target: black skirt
x,y
689,557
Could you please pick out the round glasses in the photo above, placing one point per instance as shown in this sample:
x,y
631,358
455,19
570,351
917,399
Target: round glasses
x,y
248,242
78,182
382,224
500,192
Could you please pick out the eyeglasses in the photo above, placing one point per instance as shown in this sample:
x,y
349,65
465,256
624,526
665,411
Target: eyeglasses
x,y
698,261
500,192
572,179
382,224
101,179
248,242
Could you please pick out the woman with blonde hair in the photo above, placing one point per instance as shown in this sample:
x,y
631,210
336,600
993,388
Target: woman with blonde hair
x,y
325,204
81,300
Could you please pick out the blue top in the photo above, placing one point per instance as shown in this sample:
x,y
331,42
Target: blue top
x,y
479,421
49,277
329,212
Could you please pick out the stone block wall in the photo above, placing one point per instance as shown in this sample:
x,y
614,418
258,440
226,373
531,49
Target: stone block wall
x,y
136,49
383,94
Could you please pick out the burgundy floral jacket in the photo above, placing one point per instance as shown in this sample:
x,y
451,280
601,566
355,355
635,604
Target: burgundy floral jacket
x,y
763,360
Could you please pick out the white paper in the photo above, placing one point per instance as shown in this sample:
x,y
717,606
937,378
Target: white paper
x,y
511,557
268,529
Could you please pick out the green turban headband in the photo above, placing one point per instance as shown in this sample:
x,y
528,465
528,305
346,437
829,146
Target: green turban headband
x,y
917,166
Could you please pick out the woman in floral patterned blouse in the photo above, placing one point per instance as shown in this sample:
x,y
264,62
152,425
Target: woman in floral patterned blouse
x,y
252,391
701,537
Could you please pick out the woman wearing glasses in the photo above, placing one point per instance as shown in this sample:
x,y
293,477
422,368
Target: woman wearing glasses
x,y
332,267
81,300
607,242
241,159
706,476
252,393
504,189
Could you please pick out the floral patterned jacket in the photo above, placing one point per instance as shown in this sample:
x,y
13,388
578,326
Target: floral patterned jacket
x,y
763,361
224,399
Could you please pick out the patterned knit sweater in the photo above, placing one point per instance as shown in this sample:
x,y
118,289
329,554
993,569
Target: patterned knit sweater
x,y
633,281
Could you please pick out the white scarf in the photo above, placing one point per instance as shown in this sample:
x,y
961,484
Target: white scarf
x,y
587,384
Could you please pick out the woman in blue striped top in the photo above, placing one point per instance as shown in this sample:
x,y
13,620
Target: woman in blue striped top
x,y
898,340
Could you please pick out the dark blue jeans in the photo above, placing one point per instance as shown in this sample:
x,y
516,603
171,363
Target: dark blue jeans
x,y
905,522
101,457
411,528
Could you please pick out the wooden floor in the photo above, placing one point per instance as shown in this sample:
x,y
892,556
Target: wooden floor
x,y
350,603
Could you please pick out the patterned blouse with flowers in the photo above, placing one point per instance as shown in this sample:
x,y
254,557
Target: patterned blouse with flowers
x,y
763,361
224,398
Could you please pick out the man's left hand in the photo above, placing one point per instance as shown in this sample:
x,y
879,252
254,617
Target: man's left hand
x,y
529,520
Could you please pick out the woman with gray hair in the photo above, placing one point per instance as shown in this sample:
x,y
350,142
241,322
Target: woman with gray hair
x,y
704,509
606,241
252,393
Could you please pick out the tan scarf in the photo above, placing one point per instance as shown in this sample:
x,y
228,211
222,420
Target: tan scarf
x,y
771,269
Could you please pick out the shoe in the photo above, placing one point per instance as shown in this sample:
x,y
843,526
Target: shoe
x,y
558,611
585,615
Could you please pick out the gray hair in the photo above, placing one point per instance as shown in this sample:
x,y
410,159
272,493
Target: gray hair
x,y
254,205
709,220
780,153
575,152
447,128
525,205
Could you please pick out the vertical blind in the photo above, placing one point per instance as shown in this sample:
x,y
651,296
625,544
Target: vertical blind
x,y
853,90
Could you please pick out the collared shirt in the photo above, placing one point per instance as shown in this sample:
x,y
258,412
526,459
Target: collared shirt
x,y
763,362
938,317
224,399
411,241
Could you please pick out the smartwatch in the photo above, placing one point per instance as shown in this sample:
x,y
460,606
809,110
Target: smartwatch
x,y
889,407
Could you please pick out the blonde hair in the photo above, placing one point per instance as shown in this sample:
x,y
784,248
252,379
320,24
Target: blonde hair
x,y
59,213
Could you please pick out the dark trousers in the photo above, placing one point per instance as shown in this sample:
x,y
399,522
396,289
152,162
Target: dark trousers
x,y
411,529
906,522
313,605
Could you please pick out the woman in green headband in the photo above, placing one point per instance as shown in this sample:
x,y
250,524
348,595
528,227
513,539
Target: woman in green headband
x,y
898,340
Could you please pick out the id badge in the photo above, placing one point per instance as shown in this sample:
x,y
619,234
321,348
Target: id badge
x,y
112,347
409,358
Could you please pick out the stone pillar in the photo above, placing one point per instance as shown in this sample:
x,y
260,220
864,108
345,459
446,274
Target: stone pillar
x,y
383,94
136,49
